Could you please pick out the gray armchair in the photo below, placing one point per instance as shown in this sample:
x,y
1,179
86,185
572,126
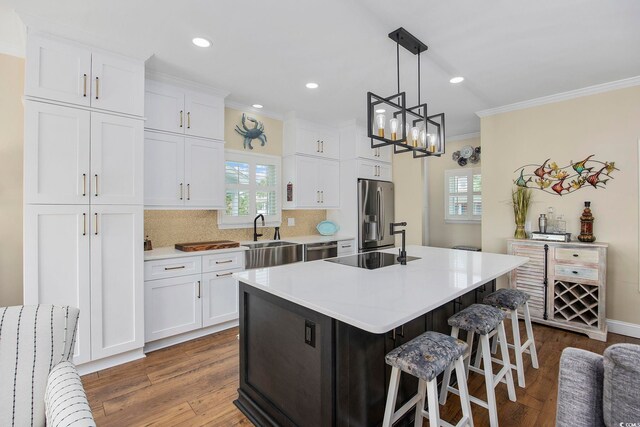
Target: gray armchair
x,y
595,391
38,382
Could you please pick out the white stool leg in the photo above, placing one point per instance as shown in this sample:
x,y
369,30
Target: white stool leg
x,y
532,347
478,357
432,399
422,388
494,344
467,358
389,410
446,379
464,392
517,347
506,362
488,378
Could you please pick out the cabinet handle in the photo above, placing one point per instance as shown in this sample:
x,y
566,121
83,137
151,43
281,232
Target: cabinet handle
x,y
175,268
224,274
84,184
97,88
84,85
345,246
322,146
84,224
95,217
198,283
180,118
401,331
188,191
317,145
322,196
188,119
393,334
576,255
96,188
574,272
181,191
317,196
224,262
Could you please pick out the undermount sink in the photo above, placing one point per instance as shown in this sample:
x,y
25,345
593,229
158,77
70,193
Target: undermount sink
x,y
270,254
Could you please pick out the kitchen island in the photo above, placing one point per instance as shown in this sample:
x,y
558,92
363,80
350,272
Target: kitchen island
x,y
313,336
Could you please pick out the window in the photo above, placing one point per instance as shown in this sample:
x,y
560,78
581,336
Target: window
x,y
462,195
252,187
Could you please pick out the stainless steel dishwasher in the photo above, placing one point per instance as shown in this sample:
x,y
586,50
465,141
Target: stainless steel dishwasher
x,y
315,251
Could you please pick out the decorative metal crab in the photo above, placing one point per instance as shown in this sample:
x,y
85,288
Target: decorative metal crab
x,y
249,134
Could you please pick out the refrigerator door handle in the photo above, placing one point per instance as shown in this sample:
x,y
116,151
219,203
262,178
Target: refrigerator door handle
x,y
380,214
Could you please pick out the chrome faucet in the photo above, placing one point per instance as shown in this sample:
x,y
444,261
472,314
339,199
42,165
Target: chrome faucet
x,y
255,227
402,257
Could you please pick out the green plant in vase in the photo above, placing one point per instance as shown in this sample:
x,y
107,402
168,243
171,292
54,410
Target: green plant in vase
x,y
520,198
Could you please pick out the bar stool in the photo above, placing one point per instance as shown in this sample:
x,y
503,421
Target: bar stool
x,y
425,357
482,320
510,300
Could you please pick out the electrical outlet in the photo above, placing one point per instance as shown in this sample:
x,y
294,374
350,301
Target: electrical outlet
x,y
291,222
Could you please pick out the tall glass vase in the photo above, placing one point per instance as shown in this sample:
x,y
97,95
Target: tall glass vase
x,y
520,233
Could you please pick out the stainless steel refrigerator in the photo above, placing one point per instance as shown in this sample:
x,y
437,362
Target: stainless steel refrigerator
x,y
375,213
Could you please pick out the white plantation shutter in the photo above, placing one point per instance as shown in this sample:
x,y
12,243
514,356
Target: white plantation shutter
x,y
252,187
462,195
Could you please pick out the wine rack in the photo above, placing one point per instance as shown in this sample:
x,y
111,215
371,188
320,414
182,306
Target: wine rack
x,y
576,302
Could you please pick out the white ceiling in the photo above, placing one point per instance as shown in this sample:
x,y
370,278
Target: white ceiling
x,y
264,51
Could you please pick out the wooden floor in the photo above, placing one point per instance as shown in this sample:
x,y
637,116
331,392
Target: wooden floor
x,y
195,383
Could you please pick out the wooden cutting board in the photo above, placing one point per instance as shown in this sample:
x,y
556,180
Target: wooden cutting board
x,y
206,246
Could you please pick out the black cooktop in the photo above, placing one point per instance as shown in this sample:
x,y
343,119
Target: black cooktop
x,y
370,260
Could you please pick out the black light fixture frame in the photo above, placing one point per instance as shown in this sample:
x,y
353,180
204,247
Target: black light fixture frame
x,y
397,103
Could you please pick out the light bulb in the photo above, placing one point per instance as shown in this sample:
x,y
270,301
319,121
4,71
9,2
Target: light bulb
x,y
393,123
380,119
415,133
432,142
423,138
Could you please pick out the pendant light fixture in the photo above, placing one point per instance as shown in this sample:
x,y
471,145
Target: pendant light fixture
x,y
411,129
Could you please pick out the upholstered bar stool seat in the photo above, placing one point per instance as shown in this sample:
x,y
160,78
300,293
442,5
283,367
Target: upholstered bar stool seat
x,y
478,318
426,357
511,300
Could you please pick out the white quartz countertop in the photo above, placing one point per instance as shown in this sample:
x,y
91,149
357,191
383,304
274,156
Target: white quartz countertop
x,y
317,238
382,299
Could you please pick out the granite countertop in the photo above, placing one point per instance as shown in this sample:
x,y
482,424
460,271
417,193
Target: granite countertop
x,y
380,300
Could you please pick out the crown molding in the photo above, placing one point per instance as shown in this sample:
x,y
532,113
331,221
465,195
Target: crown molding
x,y
249,109
187,84
463,136
563,96
12,50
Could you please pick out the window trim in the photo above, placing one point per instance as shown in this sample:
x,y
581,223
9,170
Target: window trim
x,y
469,218
229,222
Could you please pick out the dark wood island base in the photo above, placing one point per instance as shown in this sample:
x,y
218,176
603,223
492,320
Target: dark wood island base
x,y
302,368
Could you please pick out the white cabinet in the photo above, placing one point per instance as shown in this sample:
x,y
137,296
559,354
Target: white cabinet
x,y
56,264
117,235
73,156
302,137
346,247
316,182
219,297
354,143
183,171
63,71
374,170
174,109
172,306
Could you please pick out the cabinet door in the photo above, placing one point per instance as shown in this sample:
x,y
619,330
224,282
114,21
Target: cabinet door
x,y
117,84
58,71
363,146
56,264
219,297
385,172
164,107
307,141
163,170
367,169
204,173
307,193
204,116
117,236
172,306
56,154
385,154
329,144
116,159
329,182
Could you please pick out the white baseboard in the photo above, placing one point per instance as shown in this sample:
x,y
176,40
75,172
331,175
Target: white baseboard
x,y
109,362
624,328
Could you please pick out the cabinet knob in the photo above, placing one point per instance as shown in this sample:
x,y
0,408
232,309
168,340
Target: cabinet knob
x,y
576,255
574,272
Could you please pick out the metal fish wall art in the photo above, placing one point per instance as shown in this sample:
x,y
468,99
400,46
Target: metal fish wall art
x,y
553,179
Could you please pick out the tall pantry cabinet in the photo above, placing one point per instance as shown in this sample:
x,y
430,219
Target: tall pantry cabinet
x,y
83,192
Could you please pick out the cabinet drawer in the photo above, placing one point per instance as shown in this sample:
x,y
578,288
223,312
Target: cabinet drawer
x,y
161,269
225,261
581,255
346,247
573,271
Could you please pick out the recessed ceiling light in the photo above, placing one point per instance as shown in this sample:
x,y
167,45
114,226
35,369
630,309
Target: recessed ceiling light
x,y
458,79
200,42
312,85
380,110
257,106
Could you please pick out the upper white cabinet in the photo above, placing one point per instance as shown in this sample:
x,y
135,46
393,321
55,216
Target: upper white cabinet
x,y
173,109
73,156
354,143
315,182
67,72
303,137
183,171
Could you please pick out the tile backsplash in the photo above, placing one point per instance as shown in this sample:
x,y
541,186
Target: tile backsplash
x,y
166,228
